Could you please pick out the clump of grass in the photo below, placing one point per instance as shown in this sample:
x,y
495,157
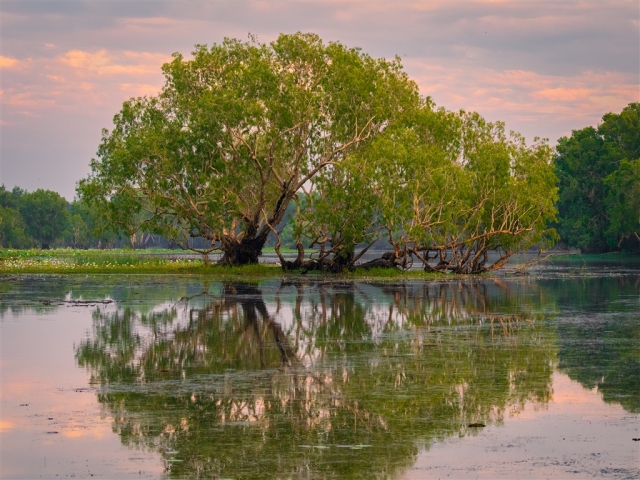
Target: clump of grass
x,y
55,261
89,265
117,260
100,261
14,254
253,269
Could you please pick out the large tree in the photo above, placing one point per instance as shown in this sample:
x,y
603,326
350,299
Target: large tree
x,y
597,183
438,185
236,132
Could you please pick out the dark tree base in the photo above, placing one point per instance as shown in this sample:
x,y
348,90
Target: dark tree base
x,y
242,253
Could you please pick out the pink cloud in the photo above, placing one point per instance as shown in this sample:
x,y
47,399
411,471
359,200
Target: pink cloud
x,y
105,63
8,62
561,94
30,100
79,80
6,425
527,100
138,89
81,59
149,21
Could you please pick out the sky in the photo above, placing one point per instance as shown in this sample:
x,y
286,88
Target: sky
x,y
544,67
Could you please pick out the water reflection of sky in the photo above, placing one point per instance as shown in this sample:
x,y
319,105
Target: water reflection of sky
x,y
43,391
575,435
366,354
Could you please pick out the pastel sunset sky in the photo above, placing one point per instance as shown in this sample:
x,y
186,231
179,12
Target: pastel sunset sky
x,y
544,67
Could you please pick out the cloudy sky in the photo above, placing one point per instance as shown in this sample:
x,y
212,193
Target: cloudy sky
x,y
544,67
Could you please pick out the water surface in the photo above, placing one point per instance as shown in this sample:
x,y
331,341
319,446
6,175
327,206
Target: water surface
x,y
164,376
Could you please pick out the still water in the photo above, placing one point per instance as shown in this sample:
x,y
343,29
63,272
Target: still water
x,y
189,377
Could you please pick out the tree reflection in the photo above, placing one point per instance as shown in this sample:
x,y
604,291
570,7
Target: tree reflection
x,y
315,379
599,340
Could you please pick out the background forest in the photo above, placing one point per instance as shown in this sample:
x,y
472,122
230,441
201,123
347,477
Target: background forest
x,y
599,177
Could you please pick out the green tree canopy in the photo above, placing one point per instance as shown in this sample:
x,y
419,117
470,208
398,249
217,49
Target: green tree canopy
x,y
12,227
235,134
11,198
439,186
598,206
623,206
45,215
244,129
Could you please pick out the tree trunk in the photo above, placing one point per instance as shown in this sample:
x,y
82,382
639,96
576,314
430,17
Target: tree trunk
x,y
288,265
341,260
388,260
244,252
377,263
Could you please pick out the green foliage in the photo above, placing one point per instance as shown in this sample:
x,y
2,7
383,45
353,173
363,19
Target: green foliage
x,y
598,206
243,129
235,134
623,206
38,218
78,231
11,199
443,183
83,227
340,212
64,261
126,261
581,165
12,229
45,215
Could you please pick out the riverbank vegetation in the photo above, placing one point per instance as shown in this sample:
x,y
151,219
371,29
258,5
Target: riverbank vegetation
x,y
160,261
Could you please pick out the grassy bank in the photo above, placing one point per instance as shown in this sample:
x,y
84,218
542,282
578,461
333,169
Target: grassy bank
x,y
67,261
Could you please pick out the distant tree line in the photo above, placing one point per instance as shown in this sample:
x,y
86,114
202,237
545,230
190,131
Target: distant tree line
x,y
44,219
36,219
599,173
